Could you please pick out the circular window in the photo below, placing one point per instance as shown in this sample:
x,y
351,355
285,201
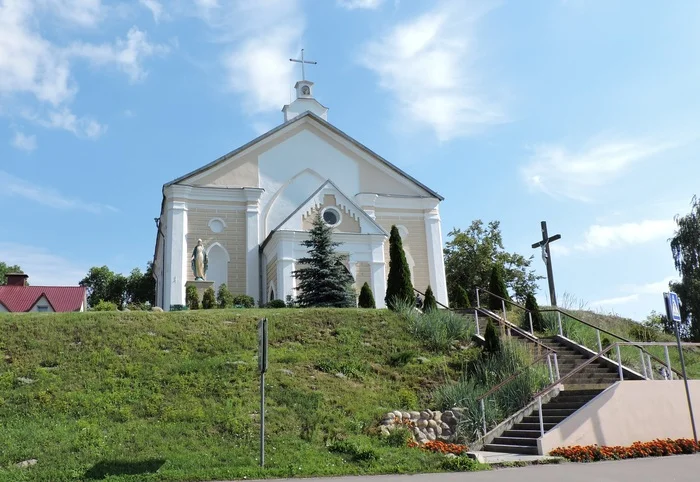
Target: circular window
x,y
331,216
216,225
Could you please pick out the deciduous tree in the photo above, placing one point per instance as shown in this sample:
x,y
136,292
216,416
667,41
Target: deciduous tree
x,y
685,246
5,268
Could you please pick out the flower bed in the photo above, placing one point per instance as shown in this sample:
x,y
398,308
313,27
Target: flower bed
x,y
655,448
441,447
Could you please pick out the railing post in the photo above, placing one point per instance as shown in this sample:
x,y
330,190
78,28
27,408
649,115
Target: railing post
x,y
549,365
476,317
561,330
483,415
668,363
651,367
539,405
503,308
644,364
600,345
556,366
532,331
619,362
478,301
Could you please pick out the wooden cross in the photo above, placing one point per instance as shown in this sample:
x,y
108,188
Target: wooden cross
x,y
302,62
547,257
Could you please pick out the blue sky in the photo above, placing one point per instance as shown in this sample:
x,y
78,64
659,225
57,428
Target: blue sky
x,y
581,113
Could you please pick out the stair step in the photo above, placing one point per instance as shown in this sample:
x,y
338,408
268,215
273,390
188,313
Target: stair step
x,y
511,449
555,412
530,426
563,405
548,419
529,442
522,433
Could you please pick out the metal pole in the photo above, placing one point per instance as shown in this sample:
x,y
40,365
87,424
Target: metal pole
x,y
644,363
668,363
532,331
503,308
685,381
483,415
262,419
619,362
561,330
600,345
651,367
556,366
549,365
478,301
476,316
539,404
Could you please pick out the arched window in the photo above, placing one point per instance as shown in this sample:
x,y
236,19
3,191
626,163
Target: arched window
x,y
218,265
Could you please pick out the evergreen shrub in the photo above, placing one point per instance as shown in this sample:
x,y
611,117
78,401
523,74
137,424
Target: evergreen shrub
x,y
366,297
209,299
192,297
429,304
399,287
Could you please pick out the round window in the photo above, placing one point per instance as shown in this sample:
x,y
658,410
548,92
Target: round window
x,y
331,216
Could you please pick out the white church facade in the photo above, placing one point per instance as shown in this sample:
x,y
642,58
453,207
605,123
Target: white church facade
x,y
252,208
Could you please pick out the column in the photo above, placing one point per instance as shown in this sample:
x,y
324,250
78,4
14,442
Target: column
x,y
378,271
436,260
176,259
252,262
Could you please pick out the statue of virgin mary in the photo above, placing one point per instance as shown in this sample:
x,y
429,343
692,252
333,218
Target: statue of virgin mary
x,y
199,262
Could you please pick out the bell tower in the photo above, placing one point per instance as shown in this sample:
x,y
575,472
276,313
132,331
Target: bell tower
x,y
305,100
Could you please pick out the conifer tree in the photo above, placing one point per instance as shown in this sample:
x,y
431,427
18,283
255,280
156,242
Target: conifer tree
x,y
323,281
463,300
366,297
192,298
399,286
492,343
224,298
498,287
429,304
209,299
537,321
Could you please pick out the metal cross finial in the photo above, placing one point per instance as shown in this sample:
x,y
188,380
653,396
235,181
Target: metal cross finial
x,y
302,62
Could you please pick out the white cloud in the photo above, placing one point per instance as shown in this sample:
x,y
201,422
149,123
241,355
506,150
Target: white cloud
x,y
14,187
259,37
601,237
155,7
655,288
63,118
622,300
86,13
428,65
360,4
557,171
43,267
24,142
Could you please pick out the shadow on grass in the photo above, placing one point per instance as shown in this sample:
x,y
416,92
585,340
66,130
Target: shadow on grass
x,y
123,467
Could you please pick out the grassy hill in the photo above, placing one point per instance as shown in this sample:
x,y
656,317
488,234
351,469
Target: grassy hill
x,y
100,393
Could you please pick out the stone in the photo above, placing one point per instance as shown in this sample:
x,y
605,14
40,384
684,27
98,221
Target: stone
x,y
398,415
444,426
422,359
416,431
287,372
477,456
389,415
431,436
385,431
340,375
446,432
405,416
157,309
432,424
451,456
447,414
26,463
437,415
422,423
422,436
25,381
415,415
424,414
438,430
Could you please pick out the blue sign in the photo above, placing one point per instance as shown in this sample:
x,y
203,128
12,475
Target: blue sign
x,y
674,307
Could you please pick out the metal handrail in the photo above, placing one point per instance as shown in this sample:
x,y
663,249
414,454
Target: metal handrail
x,y
436,301
513,377
625,341
512,326
515,303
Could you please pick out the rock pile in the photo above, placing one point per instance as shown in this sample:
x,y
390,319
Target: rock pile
x,y
426,425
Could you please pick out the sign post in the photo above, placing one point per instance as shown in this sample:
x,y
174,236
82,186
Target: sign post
x,y
262,366
673,311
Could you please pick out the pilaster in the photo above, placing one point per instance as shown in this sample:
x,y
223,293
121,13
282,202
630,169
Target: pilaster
x,y
436,259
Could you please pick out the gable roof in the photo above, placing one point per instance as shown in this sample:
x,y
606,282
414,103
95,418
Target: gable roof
x,y
356,211
324,124
61,298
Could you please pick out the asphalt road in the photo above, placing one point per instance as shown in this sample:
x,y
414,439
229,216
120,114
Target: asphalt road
x,y
661,469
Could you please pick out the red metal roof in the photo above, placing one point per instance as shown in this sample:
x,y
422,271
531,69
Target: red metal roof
x,y
23,298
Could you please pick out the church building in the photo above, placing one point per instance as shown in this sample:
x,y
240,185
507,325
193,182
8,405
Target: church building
x,y
252,208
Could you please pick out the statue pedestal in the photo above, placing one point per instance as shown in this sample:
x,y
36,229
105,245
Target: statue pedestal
x,y
201,286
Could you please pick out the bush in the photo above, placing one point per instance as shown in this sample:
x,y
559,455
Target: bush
x,y
192,297
359,451
497,286
492,343
429,304
224,298
639,332
407,399
366,297
275,304
399,437
401,358
537,322
463,464
398,286
103,305
437,329
243,301
178,307
209,299
462,300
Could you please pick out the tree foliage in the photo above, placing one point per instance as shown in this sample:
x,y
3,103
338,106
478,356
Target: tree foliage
x,y
462,300
366,297
105,285
685,246
429,303
399,287
537,321
471,254
497,287
323,281
492,342
5,268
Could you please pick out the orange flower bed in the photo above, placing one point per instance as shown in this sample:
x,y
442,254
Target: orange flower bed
x,y
441,447
655,448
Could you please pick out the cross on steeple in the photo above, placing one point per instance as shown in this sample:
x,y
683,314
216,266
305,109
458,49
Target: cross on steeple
x,y
302,62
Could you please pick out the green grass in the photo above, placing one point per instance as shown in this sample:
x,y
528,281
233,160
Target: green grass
x,y
175,396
